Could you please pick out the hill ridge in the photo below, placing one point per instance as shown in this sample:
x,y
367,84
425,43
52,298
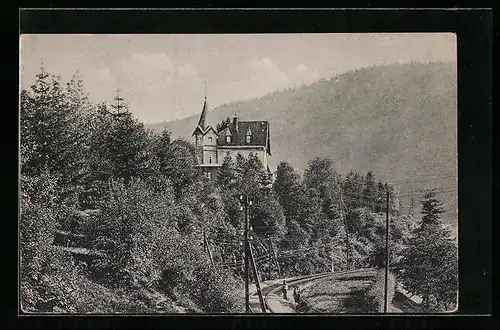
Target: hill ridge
x,y
397,120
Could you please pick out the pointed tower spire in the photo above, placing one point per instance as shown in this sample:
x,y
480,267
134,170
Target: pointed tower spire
x,y
204,123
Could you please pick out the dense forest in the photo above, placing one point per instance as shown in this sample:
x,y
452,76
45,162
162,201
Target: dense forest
x,y
115,218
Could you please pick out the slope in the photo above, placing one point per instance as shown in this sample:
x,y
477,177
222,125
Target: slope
x,y
399,121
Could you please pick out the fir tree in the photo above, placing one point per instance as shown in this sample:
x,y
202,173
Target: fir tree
x,y
429,265
369,190
225,174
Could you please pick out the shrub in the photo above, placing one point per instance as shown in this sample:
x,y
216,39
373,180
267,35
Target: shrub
x,y
376,293
130,227
217,291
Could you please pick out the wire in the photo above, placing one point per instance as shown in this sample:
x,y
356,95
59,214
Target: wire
x,y
423,180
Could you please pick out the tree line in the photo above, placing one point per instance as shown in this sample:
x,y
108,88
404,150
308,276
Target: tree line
x,y
147,207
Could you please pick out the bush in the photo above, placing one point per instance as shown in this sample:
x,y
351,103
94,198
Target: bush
x,y
177,258
130,228
376,293
217,291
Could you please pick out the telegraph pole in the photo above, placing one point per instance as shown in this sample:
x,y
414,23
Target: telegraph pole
x,y
386,248
275,258
346,229
257,283
246,203
269,256
205,240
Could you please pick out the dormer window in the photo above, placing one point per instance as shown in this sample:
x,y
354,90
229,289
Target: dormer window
x,y
209,141
228,138
248,136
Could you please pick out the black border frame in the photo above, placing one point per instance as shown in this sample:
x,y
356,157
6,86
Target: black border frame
x,y
474,29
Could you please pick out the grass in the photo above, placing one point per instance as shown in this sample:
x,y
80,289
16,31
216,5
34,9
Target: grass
x,y
328,296
356,294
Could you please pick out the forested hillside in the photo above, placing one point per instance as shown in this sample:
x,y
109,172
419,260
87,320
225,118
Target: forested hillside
x,y
115,218
399,121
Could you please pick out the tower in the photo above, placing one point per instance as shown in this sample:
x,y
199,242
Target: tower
x,y
205,140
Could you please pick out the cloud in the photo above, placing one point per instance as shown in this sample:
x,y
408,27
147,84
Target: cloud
x,y
262,75
187,71
104,74
148,62
265,66
303,74
302,69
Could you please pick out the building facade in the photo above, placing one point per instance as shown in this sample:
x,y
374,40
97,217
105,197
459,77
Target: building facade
x,y
238,137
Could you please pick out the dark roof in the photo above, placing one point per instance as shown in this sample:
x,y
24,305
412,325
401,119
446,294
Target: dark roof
x,y
260,134
204,124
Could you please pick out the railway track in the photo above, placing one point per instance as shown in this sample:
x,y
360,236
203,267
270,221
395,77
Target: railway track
x,y
275,288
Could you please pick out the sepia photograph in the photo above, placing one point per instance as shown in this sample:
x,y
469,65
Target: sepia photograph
x,y
278,173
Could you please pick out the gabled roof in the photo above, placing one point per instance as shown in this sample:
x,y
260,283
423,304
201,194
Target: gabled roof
x,y
258,129
204,124
225,132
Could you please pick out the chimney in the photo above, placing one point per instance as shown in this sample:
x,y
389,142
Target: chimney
x,y
235,123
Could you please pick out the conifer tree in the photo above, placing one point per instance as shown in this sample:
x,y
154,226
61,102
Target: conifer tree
x,y
286,185
369,190
225,174
429,265
53,134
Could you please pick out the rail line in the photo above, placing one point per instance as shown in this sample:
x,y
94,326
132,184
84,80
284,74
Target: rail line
x,y
274,288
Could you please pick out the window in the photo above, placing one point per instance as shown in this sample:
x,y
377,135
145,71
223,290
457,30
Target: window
x,y
228,139
210,141
210,159
248,138
209,175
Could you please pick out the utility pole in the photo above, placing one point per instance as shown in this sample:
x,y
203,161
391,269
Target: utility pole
x,y
386,249
269,257
275,258
346,229
208,248
246,204
257,283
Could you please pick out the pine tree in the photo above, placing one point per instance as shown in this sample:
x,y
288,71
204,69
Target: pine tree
x,y
53,135
225,174
285,186
223,124
429,264
321,176
369,190
265,181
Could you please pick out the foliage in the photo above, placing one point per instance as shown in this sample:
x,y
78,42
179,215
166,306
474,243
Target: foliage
x,y
217,291
178,166
223,124
225,174
429,264
371,299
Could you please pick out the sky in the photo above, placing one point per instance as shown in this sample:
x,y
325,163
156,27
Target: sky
x,y
163,77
